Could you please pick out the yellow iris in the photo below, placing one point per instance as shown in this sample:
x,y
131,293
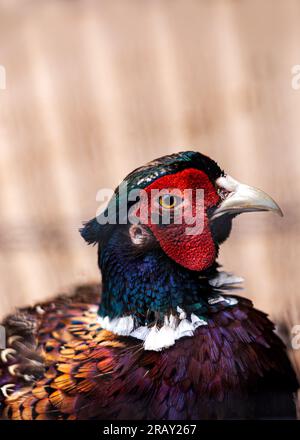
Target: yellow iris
x,y
168,201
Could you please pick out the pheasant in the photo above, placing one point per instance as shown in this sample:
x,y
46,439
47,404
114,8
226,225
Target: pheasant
x,y
166,337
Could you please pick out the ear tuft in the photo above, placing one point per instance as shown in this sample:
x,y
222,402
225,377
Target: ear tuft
x,y
91,231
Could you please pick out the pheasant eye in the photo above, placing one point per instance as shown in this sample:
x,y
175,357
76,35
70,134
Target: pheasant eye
x,y
169,201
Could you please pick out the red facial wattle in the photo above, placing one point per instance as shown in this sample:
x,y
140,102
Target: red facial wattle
x,y
195,252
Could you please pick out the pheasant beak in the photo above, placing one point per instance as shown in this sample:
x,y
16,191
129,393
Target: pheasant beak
x,y
238,198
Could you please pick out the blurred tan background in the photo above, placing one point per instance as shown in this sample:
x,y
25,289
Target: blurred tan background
x,y
96,88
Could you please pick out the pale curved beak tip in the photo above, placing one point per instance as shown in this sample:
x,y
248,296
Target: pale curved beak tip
x,y
280,212
244,198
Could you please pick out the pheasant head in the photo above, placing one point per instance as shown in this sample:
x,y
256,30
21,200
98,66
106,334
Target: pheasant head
x,y
158,242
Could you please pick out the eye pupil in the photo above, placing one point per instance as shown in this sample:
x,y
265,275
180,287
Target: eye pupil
x,y
167,201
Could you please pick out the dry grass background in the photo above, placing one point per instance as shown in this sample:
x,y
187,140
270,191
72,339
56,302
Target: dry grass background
x,y
96,88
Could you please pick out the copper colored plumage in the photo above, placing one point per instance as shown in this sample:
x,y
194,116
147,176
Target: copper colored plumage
x,y
61,363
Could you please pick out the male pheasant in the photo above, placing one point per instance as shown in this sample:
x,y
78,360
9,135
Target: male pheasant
x,y
167,341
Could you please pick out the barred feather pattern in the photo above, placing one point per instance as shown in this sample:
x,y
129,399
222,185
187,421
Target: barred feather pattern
x,y
62,365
